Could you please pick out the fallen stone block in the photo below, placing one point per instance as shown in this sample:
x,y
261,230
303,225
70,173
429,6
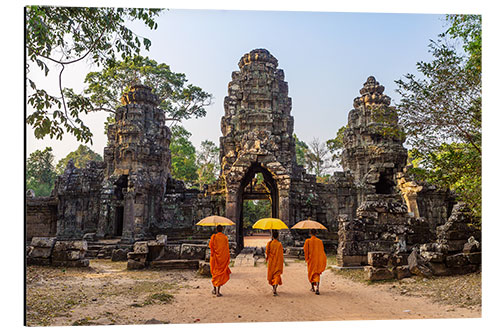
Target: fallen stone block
x,y
431,256
349,261
398,260
155,242
119,255
402,272
439,269
418,265
70,255
376,274
474,258
204,268
61,246
162,239
455,245
47,242
472,246
171,251
292,252
379,259
193,251
40,252
175,264
133,264
141,247
137,256
457,260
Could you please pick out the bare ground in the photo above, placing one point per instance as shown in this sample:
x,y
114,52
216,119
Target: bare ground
x,y
106,293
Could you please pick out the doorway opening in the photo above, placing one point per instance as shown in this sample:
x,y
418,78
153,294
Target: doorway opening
x,y
119,221
258,198
254,210
121,186
385,185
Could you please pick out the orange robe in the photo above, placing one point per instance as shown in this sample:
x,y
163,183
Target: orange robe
x,y
274,255
315,256
219,259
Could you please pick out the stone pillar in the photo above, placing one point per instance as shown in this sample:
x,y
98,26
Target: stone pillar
x,y
128,235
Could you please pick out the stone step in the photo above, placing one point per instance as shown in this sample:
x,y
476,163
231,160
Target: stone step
x,y
244,260
175,264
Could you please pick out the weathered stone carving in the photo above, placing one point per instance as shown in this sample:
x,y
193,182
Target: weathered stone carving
x,y
257,133
137,162
78,193
373,142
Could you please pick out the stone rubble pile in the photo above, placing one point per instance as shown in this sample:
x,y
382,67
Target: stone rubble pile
x,y
70,254
456,251
48,251
40,251
160,254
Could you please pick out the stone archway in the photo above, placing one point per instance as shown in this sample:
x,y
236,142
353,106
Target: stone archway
x,y
275,179
268,191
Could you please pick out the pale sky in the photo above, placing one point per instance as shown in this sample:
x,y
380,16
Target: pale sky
x,y
326,57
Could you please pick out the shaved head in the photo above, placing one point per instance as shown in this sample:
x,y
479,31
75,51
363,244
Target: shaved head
x,y
276,234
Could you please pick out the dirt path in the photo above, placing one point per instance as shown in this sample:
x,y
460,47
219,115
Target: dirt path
x,y
248,298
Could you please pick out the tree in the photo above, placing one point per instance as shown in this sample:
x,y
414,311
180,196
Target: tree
x,y
452,166
80,157
183,156
40,174
336,145
61,36
178,99
300,150
207,161
441,113
317,158
254,210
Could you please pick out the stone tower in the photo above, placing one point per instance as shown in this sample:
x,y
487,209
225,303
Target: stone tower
x,y
137,161
257,131
373,142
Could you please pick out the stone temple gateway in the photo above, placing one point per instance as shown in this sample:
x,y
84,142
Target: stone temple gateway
x,y
131,196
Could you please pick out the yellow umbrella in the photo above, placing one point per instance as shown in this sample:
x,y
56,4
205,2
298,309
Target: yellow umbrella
x,y
309,224
270,223
215,220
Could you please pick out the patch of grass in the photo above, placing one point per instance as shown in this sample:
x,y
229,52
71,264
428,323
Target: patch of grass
x,y
43,304
162,297
157,298
139,287
460,290
231,263
356,275
331,259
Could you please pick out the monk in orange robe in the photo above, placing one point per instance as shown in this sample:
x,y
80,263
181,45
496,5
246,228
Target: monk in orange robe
x,y
315,256
219,260
274,259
